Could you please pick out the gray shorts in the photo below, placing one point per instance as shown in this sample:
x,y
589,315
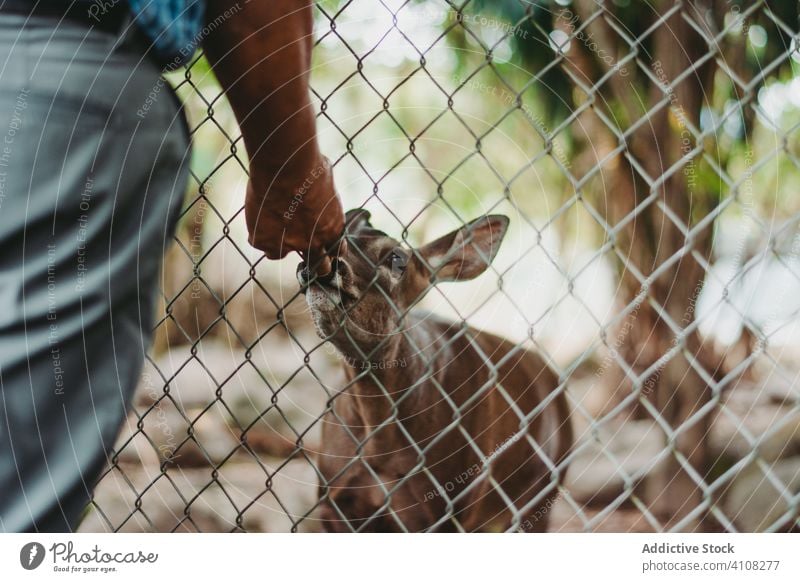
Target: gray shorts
x,y
93,169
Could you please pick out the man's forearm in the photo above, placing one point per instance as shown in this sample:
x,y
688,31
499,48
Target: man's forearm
x,y
261,55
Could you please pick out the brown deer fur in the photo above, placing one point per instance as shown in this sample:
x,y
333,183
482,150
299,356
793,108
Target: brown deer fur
x,y
440,416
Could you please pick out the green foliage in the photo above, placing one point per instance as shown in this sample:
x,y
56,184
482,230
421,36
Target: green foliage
x,y
539,17
532,53
513,95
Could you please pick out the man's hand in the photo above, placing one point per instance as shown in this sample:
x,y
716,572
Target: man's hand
x,y
310,223
261,54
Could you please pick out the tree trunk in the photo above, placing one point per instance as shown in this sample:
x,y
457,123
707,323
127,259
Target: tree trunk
x,y
654,245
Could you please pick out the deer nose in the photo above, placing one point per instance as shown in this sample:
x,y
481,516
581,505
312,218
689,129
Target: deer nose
x,y
304,274
327,278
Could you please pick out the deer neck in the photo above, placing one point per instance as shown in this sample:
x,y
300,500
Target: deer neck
x,y
378,381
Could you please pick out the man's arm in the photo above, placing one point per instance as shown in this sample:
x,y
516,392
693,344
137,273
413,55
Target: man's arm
x,y
261,54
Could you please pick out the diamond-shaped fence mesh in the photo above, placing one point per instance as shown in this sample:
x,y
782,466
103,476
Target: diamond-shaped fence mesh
x,y
646,289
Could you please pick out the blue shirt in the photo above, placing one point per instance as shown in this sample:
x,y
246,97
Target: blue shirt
x,y
175,27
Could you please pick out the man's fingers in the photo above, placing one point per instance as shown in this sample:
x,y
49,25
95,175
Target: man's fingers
x,y
320,258
270,251
342,250
318,262
324,267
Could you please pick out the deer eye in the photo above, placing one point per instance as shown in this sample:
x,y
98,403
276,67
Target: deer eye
x,y
397,262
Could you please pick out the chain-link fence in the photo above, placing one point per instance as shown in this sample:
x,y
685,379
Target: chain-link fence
x,y
646,154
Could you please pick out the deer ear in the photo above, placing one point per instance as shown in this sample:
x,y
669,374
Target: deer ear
x,y
467,252
357,219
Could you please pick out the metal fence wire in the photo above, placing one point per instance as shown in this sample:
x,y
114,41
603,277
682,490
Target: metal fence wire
x,y
646,154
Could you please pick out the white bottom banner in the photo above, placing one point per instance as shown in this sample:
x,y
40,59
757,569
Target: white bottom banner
x,y
401,557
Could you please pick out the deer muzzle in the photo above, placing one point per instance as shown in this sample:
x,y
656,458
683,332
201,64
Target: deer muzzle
x,y
305,276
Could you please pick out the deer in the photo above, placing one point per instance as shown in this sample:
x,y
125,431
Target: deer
x,y
440,425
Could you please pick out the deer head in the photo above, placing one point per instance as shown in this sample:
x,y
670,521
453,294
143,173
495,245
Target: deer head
x,y
376,280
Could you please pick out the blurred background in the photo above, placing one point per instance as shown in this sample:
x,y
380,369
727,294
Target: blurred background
x,y
647,155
